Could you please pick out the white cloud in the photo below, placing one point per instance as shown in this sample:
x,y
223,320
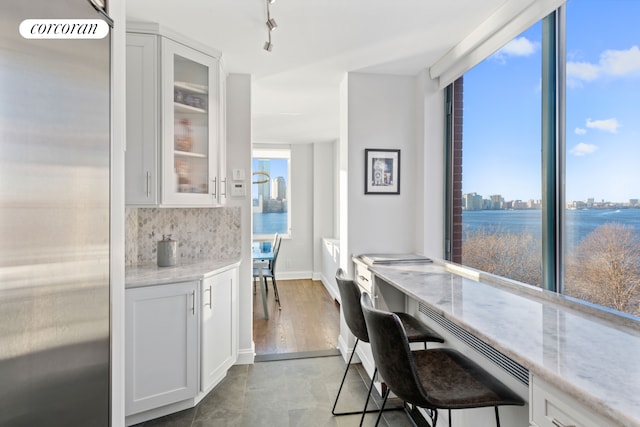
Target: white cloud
x,y
578,72
621,62
520,46
612,63
580,131
583,149
608,125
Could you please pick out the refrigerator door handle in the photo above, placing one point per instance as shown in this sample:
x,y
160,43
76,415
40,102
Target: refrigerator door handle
x,y
100,6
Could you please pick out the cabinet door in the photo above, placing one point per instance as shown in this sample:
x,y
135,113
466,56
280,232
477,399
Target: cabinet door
x,y
222,143
161,339
219,327
141,158
190,126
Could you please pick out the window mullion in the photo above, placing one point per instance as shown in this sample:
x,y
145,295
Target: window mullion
x,y
550,182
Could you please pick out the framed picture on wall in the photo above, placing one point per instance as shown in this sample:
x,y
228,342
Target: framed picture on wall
x,y
381,171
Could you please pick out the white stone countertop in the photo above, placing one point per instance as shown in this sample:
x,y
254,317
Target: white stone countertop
x,y
591,355
151,274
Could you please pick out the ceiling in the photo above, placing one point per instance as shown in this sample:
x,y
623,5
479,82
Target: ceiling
x,y
295,88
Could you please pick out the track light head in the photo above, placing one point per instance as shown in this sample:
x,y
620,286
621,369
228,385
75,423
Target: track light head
x,y
268,46
271,24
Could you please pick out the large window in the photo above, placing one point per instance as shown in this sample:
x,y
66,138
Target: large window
x,y
602,220
270,192
501,223
548,188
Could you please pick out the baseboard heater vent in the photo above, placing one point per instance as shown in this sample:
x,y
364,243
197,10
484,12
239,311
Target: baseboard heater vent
x,y
518,371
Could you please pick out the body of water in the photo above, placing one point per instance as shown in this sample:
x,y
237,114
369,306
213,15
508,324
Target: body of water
x,y
579,223
270,223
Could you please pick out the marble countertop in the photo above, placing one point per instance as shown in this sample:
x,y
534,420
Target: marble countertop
x,y
151,274
594,359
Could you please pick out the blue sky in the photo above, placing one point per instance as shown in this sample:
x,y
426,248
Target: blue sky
x,y
502,98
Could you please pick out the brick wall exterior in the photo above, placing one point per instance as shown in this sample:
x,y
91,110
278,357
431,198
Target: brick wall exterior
x,y
456,238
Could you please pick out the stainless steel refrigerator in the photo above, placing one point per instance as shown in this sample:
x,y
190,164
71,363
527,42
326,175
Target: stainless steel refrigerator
x,y
54,221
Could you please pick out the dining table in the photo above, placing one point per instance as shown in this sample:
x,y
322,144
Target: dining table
x,y
262,255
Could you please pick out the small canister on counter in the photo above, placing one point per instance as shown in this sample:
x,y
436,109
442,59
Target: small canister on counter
x,y
167,251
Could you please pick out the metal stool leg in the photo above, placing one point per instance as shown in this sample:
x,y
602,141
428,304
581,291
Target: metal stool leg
x,y
364,410
384,401
333,410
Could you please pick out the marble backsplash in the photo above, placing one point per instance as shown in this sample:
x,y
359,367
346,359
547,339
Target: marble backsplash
x,y
201,233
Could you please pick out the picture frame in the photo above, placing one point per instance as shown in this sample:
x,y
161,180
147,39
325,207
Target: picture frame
x,y
382,171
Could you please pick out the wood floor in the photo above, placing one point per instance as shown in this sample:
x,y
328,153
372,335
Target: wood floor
x,y
309,319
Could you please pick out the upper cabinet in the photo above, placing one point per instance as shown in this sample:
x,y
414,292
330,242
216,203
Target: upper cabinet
x,y
175,121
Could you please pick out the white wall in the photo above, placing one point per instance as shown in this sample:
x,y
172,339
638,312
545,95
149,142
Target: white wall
x,y
296,254
381,113
430,168
324,171
239,157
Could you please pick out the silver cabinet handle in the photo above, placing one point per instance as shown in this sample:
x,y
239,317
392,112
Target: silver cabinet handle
x,y
215,184
208,305
148,184
559,424
361,277
193,302
223,187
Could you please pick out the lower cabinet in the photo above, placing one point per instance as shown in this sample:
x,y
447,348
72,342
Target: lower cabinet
x,y
180,338
549,407
161,339
219,327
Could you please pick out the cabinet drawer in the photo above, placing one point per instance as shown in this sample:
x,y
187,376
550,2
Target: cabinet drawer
x,y
363,277
549,407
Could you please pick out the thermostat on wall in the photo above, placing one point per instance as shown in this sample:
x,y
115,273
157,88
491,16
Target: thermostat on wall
x,y
237,189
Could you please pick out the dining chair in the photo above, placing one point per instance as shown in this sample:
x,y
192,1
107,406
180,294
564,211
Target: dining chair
x,y
269,271
440,378
353,316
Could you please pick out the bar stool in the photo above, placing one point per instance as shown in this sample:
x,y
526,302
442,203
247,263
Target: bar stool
x,y
440,378
350,303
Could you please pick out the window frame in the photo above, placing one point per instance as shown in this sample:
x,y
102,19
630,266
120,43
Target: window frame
x,y
553,142
273,153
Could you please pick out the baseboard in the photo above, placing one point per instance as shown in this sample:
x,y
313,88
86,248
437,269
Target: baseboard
x,y
293,275
246,356
331,287
346,351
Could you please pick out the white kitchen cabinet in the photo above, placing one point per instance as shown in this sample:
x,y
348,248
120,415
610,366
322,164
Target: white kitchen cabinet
x,y
550,407
175,120
219,333
142,159
161,345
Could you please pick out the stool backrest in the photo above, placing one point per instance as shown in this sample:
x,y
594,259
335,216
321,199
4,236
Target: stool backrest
x,y
392,354
350,303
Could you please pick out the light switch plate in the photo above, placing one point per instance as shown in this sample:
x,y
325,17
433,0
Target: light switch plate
x,y
238,175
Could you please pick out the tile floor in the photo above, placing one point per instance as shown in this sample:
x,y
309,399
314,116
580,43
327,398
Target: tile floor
x,y
283,393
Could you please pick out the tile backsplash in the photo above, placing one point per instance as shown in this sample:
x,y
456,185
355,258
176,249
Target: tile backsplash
x,y
201,233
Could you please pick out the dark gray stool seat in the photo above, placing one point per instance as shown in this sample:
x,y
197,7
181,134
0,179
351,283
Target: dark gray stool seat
x,y
440,378
350,302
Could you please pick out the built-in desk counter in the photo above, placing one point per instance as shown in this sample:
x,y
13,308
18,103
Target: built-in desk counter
x,y
588,355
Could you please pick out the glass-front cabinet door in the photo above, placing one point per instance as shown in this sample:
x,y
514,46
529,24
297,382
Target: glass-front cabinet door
x,y
190,126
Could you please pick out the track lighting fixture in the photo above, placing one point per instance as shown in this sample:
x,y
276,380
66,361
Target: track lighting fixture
x,y
271,25
268,46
